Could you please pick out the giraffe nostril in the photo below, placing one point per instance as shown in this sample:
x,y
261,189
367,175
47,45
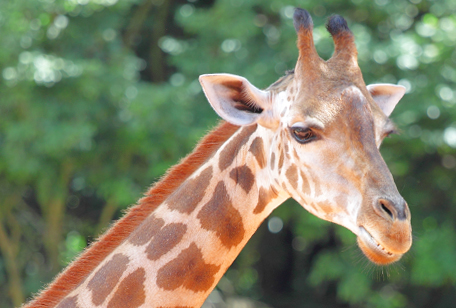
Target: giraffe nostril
x,y
395,210
385,209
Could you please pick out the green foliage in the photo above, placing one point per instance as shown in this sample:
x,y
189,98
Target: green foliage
x,y
74,244
100,97
432,266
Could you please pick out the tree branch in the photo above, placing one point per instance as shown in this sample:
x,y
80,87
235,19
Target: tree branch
x,y
156,59
7,249
106,216
137,21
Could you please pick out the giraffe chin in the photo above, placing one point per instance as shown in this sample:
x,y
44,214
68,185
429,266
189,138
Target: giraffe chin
x,y
374,251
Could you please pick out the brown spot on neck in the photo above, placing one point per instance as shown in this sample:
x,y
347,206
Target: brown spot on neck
x,y
264,197
100,250
130,292
257,149
219,215
146,230
69,302
188,195
188,270
244,177
165,240
231,150
107,277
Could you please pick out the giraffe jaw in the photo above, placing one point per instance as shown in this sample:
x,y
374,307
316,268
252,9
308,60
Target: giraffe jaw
x,y
373,250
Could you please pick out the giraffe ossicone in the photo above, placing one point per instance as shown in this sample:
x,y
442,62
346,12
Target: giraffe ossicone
x,y
314,136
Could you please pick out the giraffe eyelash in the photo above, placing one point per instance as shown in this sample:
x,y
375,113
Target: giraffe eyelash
x,y
245,102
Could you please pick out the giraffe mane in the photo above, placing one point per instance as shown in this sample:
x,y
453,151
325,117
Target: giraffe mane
x,y
80,268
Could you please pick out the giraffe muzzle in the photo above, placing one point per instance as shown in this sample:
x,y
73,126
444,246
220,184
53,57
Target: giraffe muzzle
x,y
374,251
385,232
384,227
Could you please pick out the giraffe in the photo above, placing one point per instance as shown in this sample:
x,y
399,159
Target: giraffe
x,y
314,136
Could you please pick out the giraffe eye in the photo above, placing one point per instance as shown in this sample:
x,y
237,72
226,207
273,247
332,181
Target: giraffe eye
x,y
303,135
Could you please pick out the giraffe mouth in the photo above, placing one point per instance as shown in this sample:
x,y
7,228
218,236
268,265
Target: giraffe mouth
x,y
375,251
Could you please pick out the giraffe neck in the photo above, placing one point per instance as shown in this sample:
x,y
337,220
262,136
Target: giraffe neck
x,y
180,251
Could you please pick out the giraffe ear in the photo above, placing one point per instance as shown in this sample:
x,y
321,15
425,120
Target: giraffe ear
x,y
386,95
236,100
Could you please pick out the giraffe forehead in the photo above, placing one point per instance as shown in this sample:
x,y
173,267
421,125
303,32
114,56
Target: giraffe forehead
x,y
323,97
347,107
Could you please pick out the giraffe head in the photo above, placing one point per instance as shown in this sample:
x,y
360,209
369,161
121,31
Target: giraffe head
x,y
322,128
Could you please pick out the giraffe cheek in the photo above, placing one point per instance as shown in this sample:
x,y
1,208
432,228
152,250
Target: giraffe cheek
x,y
272,160
327,210
305,188
281,159
292,176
